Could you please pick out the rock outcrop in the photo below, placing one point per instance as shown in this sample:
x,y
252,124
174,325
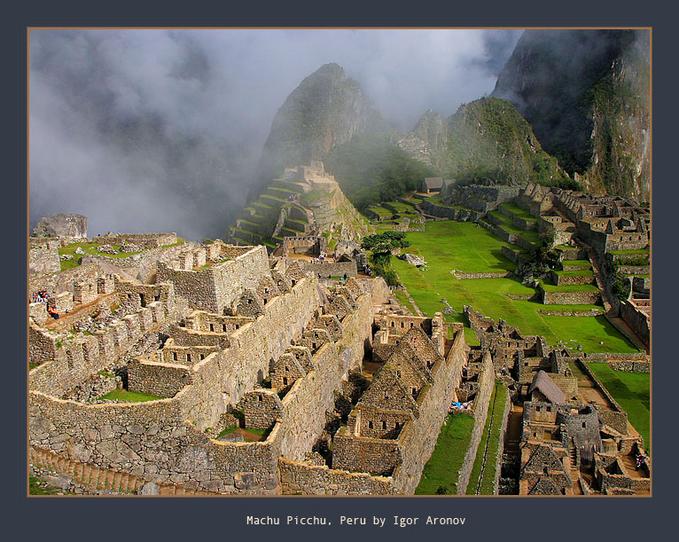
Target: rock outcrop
x,y
62,225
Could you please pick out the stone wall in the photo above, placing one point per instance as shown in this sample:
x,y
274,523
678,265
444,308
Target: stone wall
x,y
217,287
571,298
501,440
447,212
478,197
481,402
636,320
304,479
159,379
464,276
150,440
417,439
65,364
315,392
43,256
143,266
330,269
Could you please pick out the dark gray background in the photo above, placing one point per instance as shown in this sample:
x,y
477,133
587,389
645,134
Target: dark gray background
x,y
223,518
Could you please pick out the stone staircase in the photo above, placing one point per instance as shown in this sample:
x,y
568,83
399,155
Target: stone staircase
x,y
97,479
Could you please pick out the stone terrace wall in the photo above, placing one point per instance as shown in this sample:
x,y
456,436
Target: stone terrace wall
x,y
159,379
313,395
150,440
418,438
217,287
304,479
571,298
143,266
224,377
486,383
43,257
69,364
501,440
330,269
636,320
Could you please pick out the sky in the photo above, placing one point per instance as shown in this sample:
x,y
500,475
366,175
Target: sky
x,y
161,130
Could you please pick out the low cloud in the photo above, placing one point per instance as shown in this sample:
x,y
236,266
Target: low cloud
x,y
155,130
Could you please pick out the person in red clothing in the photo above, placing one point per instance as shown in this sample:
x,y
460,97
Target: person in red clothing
x,y
52,312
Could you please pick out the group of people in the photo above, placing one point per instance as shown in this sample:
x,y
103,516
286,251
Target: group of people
x,y
41,296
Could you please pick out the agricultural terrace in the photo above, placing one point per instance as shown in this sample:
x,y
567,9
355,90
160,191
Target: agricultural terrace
x,y
469,248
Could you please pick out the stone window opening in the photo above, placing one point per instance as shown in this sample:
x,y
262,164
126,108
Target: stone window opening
x,y
398,425
584,425
188,358
285,380
260,398
142,300
549,408
156,297
393,323
212,328
224,327
174,356
384,425
370,425
201,356
537,409
414,392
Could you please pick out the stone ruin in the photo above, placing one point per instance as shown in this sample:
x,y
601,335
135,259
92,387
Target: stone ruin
x,y
243,368
575,439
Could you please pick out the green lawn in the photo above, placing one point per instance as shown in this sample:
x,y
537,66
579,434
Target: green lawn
x,y
129,396
39,487
632,392
576,273
446,460
467,247
489,445
403,300
90,249
570,265
517,211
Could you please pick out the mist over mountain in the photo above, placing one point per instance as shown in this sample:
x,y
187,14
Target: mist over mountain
x,y
327,109
586,95
151,130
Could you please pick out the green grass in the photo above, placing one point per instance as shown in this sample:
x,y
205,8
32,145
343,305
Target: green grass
x,y
639,251
129,396
576,273
403,300
37,487
446,460
381,211
517,211
467,247
632,392
570,288
570,265
489,445
90,249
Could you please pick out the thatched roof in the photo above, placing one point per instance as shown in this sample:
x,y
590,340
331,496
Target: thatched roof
x,y
545,385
